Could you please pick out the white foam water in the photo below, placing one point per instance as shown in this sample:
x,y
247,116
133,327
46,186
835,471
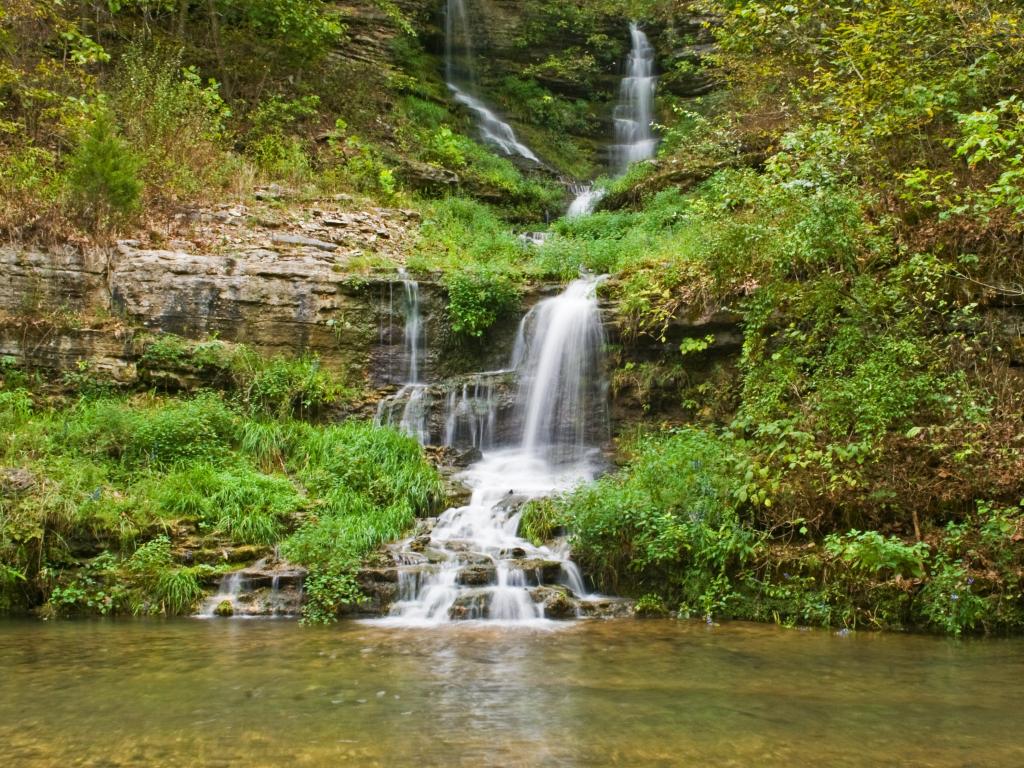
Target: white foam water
x,y
585,202
562,411
634,116
460,76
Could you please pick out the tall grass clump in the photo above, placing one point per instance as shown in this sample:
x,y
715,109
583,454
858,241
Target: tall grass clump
x,y
371,483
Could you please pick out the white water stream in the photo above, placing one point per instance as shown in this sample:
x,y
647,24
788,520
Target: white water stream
x,y
634,119
460,76
408,408
475,565
634,116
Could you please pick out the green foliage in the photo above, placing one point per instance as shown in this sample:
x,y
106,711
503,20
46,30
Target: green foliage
x,y
250,507
372,483
540,522
176,123
271,141
282,387
948,602
109,474
103,175
199,429
326,591
874,554
163,587
667,521
477,297
306,28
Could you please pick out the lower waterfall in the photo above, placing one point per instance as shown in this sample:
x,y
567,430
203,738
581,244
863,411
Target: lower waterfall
x,y
473,564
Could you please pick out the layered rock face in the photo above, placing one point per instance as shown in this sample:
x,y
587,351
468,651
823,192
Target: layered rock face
x,y
281,284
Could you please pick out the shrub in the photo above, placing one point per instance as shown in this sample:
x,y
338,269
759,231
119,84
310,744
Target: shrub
x,y
176,123
666,521
103,175
871,553
477,297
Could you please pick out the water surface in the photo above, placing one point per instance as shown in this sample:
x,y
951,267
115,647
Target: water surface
x,y
616,693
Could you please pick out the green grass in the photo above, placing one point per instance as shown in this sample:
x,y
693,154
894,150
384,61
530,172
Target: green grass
x,y
127,476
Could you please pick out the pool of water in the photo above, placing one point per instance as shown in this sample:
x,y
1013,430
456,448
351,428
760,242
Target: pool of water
x,y
629,693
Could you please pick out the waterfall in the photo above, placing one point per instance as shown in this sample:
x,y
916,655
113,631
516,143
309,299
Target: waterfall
x,y
634,136
559,354
409,408
460,76
584,202
478,567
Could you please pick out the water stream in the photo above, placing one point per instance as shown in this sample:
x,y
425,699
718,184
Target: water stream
x,y
634,118
474,564
409,408
460,76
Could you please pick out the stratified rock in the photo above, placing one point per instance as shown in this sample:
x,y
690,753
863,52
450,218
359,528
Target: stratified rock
x,y
311,242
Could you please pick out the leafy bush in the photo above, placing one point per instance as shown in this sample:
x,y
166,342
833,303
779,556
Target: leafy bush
x,y
666,521
948,601
874,554
271,139
477,297
176,123
103,175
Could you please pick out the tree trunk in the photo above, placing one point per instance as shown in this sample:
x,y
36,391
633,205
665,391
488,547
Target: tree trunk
x,y
182,17
211,6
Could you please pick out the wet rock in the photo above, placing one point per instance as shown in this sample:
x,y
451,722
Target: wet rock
x,y
545,571
477,576
470,605
420,543
378,575
224,609
466,457
606,608
560,606
511,504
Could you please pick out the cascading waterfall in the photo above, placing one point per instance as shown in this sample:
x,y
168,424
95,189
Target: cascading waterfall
x,y
584,202
409,408
634,116
471,414
559,354
474,565
460,76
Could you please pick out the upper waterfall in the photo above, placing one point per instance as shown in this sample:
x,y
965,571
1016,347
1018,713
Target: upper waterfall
x,y
460,76
634,115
